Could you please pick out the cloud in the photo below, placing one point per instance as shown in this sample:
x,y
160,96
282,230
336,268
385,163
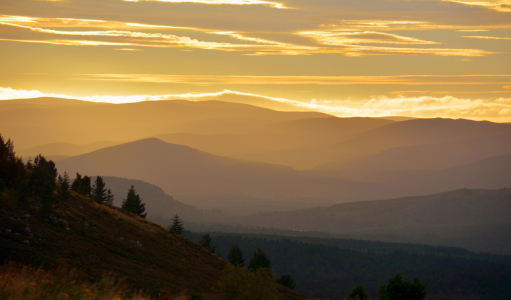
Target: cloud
x,y
344,43
498,5
487,37
219,2
498,110
366,37
301,80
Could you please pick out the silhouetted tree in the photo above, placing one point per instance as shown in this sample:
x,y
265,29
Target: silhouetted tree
x,y
12,168
287,280
177,225
42,183
99,193
358,293
259,261
235,256
109,197
399,289
206,243
63,187
75,186
133,203
82,185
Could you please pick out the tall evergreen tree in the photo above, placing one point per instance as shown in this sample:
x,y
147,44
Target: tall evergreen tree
x,y
63,187
109,197
259,261
133,203
12,168
99,193
82,185
75,186
235,256
206,243
85,186
177,225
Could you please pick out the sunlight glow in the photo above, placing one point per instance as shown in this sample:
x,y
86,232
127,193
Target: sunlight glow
x,y
497,110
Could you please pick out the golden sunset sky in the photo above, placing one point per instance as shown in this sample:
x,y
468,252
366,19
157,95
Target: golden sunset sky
x,y
415,58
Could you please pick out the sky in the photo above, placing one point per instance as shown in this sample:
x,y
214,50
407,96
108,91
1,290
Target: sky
x,y
445,58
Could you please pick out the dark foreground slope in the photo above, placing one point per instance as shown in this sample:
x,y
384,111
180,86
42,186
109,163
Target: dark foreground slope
x,y
100,238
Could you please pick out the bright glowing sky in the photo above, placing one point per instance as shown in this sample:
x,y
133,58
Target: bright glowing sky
x,y
438,58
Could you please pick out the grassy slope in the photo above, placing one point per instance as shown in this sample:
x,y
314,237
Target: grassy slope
x,y
102,238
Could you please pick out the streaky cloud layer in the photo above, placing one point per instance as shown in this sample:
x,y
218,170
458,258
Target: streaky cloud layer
x,y
497,110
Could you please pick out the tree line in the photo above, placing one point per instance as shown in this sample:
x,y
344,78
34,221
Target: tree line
x,y
39,181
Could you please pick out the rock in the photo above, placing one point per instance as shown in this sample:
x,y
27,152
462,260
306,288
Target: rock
x,y
26,242
27,229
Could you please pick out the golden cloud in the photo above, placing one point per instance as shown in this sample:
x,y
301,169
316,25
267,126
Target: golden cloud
x,y
402,25
219,2
497,110
499,5
301,80
365,37
344,43
487,37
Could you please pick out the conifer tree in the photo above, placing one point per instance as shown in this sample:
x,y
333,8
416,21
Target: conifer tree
x,y
133,203
109,197
75,186
177,225
12,168
85,186
235,256
259,261
99,193
288,281
206,243
63,188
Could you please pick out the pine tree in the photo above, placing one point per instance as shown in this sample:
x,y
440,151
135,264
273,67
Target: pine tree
x,y
177,225
12,168
75,186
358,293
133,203
99,193
63,188
259,261
206,243
235,256
288,281
85,186
109,197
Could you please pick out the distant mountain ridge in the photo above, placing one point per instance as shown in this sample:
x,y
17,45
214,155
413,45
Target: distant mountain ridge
x,y
474,219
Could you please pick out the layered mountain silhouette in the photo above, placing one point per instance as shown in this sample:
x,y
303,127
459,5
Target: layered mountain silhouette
x,y
188,173
34,122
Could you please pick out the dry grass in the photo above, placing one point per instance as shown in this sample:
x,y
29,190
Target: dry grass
x,y
20,282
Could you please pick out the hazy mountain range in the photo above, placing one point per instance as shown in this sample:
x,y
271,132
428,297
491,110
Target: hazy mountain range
x,y
220,158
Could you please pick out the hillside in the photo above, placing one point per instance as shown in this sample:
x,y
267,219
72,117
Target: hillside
x,y
435,156
187,173
99,238
302,136
474,219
